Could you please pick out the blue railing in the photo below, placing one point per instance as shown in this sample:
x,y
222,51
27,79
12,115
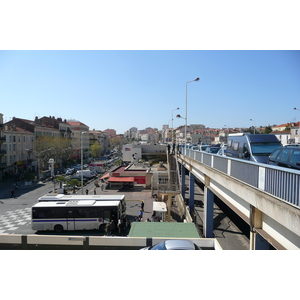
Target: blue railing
x,y
279,182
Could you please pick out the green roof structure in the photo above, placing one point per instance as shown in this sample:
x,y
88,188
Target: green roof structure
x,y
163,229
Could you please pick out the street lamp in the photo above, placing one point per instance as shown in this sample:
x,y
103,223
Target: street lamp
x,y
254,124
172,124
299,127
179,116
172,115
83,132
186,103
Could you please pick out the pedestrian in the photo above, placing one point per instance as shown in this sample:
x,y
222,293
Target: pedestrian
x,y
95,191
112,227
86,191
140,214
12,193
122,226
169,148
142,205
173,148
119,226
127,225
153,217
107,229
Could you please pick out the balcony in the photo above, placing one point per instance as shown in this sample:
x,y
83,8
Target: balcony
x,y
2,152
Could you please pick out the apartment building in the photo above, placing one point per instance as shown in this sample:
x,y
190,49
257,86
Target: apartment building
x,y
19,150
2,151
80,139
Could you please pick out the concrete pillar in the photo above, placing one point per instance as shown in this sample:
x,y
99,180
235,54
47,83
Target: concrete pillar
x,y
192,192
257,242
183,171
208,224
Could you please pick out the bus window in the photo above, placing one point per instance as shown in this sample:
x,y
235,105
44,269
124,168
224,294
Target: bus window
x,y
106,216
41,213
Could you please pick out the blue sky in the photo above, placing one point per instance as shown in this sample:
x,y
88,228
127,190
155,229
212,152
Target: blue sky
x,y
125,64
123,89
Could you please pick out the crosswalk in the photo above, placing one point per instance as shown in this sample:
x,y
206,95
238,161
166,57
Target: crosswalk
x,y
12,220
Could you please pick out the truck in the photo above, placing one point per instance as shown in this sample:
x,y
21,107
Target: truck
x,y
85,173
253,147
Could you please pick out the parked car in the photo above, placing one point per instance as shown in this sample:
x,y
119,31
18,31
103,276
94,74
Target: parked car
x,y
213,149
222,151
174,245
287,157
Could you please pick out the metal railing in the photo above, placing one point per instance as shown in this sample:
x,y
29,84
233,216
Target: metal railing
x,y
280,182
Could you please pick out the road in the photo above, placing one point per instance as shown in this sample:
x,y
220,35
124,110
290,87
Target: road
x,y
227,230
15,213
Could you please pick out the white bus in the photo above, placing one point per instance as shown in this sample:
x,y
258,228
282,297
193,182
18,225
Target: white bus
x,y
75,215
62,197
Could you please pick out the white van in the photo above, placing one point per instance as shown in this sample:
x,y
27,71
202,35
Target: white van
x,y
253,147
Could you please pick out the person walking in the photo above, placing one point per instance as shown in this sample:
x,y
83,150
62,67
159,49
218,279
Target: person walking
x,y
107,229
112,227
173,148
169,148
140,214
142,206
86,191
12,193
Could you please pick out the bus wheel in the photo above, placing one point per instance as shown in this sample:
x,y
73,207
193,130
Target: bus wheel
x,y
102,227
58,228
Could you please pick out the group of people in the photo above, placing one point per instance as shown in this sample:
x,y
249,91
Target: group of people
x,y
173,149
122,227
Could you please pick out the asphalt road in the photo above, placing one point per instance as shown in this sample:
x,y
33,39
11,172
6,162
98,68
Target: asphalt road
x,y
15,212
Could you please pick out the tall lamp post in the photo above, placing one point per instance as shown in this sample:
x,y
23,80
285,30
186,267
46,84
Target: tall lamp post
x,y
295,108
81,134
172,124
179,116
254,124
186,104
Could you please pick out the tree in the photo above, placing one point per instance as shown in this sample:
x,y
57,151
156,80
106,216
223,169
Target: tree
x,y
268,130
96,150
73,183
60,180
60,149
117,142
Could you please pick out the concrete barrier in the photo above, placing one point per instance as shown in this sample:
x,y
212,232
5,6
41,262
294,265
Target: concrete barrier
x,y
58,242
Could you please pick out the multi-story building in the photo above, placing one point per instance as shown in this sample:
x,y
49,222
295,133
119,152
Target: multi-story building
x,y
80,139
2,151
19,145
100,137
63,127
110,132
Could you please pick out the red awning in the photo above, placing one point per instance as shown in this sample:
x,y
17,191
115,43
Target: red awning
x,y
121,179
105,176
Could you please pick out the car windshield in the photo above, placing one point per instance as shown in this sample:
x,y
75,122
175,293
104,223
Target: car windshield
x,y
264,148
160,246
214,149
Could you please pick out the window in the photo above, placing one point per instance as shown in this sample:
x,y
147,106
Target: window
x,y
295,156
275,153
236,146
284,155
